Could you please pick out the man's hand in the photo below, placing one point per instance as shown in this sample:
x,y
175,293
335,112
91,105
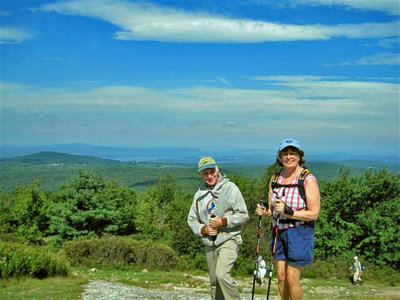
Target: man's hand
x,y
211,231
215,222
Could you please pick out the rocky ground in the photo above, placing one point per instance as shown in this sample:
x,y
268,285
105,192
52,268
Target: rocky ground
x,y
110,290
106,290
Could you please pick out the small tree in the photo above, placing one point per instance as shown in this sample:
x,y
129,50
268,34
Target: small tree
x,y
25,211
89,206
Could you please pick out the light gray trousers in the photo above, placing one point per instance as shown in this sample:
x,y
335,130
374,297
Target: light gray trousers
x,y
220,260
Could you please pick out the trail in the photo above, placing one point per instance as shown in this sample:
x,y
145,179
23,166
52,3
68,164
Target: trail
x,y
106,290
110,290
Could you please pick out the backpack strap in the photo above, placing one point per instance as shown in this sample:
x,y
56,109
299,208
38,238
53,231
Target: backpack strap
x,y
274,183
301,181
299,185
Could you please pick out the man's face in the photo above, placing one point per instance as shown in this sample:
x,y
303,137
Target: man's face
x,y
210,176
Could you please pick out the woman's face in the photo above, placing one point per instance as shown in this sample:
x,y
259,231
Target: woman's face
x,y
290,157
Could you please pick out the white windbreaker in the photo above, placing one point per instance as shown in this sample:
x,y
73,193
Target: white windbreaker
x,y
230,205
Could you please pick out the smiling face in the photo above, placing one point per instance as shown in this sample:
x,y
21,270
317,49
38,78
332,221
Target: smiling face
x,y
210,176
290,157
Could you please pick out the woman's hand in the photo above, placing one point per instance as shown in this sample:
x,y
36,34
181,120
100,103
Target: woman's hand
x,y
280,206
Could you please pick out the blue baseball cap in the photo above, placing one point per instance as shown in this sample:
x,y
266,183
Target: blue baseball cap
x,y
289,142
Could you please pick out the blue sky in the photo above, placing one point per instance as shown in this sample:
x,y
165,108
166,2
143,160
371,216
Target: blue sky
x,y
244,73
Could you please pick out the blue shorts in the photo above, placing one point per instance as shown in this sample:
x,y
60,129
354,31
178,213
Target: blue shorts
x,y
295,245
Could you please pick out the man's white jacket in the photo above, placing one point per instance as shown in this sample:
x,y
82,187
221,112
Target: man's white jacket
x,y
230,205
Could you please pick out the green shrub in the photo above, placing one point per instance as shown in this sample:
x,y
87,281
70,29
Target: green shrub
x,y
324,270
338,268
19,260
9,237
121,253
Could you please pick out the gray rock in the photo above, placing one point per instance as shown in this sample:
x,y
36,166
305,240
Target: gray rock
x,y
106,290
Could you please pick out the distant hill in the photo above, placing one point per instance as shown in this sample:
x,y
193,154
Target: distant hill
x,y
153,154
54,169
191,154
54,158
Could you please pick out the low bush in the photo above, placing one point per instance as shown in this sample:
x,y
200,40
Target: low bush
x,y
20,260
121,253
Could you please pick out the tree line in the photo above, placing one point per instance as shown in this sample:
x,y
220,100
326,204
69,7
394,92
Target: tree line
x,y
360,215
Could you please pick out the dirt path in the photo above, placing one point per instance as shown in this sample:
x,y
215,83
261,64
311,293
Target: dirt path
x,y
106,290
109,290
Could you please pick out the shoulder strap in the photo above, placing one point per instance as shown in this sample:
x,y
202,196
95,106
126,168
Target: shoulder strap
x,y
275,178
301,180
299,185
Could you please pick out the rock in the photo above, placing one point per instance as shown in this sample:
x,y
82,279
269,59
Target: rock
x,y
105,290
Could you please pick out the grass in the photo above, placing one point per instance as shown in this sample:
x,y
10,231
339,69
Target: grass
x,y
57,288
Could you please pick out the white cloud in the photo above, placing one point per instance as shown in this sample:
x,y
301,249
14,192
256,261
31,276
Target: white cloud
x,y
390,43
139,21
313,96
380,59
297,105
392,59
389,6
223,80
13,35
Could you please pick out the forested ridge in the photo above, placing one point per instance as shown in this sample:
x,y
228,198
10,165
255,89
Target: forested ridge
x,y
55,169
360,215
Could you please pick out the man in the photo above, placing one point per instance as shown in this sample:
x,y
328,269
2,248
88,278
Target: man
x,y
217,215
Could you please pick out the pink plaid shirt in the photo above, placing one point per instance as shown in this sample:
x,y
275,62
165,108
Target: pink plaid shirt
x,y
292,199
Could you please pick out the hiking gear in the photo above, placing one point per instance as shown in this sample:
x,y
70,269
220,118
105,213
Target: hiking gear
x,y
295,199
355,257
213,237
363,267
271,269
206,163
299,185
289,142
257,251
288,210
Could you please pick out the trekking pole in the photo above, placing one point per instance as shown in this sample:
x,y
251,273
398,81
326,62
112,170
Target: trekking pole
x,y
257,251
271,269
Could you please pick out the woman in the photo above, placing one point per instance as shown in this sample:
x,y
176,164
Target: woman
x,y
295,240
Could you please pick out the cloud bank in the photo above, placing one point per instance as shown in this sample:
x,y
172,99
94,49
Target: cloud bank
x,y
150,22
365,111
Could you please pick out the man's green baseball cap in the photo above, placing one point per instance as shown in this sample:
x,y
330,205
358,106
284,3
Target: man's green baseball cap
x,y
206,163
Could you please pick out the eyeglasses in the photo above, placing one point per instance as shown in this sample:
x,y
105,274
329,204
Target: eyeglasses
x,y
286,153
